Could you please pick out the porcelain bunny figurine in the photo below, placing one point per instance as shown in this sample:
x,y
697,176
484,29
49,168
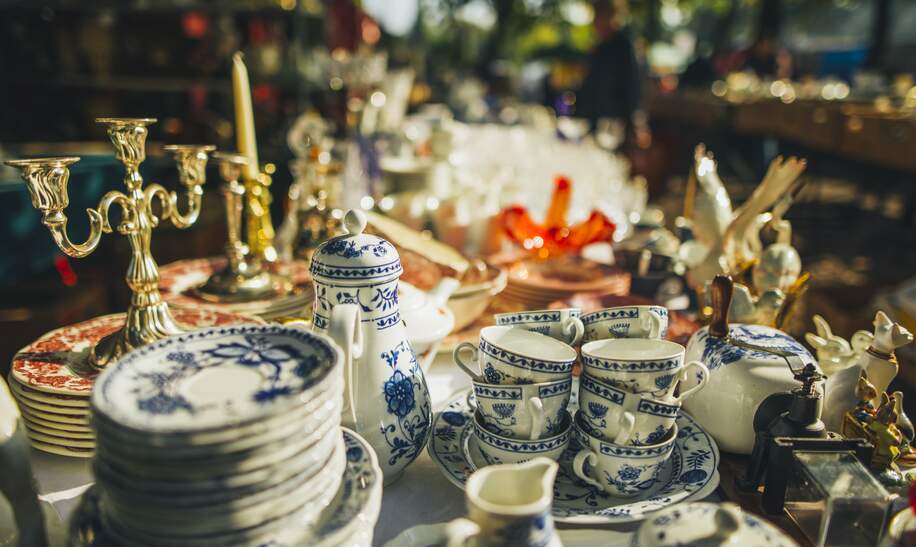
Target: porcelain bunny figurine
x,y
879,364
834,353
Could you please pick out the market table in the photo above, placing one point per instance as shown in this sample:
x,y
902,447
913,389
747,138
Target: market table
x,y
422,495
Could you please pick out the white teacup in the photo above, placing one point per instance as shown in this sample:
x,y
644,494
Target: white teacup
x,y
619,470
602,406
529,411
563,324
507,355
640,366
496,449
626,322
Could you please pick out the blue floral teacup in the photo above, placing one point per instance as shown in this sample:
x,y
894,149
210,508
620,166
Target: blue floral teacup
x,y
563,324
496,449
636,365
626,322
601,407
620,470
529,411
510,356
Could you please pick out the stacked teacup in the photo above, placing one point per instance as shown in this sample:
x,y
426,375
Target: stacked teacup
x,y
628,398
224,436
522,384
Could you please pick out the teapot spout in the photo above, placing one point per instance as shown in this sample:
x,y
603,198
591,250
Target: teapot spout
x,y
443,290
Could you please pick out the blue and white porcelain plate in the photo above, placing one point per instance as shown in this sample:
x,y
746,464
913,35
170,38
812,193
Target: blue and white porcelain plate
x,y
689,474
354,508
215,378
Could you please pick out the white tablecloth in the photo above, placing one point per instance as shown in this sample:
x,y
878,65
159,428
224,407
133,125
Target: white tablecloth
x,y
421,495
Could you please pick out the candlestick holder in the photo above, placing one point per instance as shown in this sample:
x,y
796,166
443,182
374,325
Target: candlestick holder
x,y
244,278
259,224
148,317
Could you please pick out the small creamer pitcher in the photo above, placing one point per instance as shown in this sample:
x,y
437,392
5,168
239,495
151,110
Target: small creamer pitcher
x,y
508,504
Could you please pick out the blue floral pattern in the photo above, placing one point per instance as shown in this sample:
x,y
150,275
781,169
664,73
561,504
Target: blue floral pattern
x,y
718,351
689,474
408,400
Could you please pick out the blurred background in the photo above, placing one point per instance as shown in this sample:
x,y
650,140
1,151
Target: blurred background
x,y
828,80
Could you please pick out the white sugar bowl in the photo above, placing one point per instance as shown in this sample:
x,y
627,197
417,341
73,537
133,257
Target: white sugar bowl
x,y
708,524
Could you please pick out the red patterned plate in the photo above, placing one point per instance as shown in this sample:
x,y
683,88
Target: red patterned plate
x,y
57,362
178,278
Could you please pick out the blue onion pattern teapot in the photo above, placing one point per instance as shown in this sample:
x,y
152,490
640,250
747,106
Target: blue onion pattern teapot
x,y
356,302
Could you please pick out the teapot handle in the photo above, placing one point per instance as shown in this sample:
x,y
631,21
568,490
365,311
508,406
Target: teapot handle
x,y
344,329
459,531
722,286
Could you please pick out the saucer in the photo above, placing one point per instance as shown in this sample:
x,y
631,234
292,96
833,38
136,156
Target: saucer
x,y
214,378
347,520
689,474
433,535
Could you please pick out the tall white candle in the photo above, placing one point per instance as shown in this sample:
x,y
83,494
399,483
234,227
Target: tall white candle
x,y
245,138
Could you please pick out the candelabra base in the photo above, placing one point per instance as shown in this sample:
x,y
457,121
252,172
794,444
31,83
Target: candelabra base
x,y
232,287
142,326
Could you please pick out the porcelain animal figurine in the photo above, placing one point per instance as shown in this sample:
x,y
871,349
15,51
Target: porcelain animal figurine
x,y
738,245
885,436
834,352
903,421
508,504
878,361
16,482
356,301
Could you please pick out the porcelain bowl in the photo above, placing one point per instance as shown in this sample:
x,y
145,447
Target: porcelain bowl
x,y
495,449
471,300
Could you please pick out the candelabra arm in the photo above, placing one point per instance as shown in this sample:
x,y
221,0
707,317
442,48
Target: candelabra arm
x,y
57,225
166,199
194,194
128,212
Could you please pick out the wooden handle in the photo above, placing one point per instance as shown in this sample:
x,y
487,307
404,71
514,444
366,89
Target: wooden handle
x,y
722,287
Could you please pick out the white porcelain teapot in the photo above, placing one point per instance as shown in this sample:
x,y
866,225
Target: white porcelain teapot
x,y
356,302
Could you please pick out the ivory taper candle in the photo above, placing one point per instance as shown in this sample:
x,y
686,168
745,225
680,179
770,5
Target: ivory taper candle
x,y
245,138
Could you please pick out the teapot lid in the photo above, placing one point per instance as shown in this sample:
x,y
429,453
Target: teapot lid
x,y
355,258
708,523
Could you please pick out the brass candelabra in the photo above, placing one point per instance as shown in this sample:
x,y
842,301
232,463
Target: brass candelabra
x,y
148,318
244,278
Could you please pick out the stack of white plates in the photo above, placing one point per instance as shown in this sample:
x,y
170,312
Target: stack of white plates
x,y
55,422
223,436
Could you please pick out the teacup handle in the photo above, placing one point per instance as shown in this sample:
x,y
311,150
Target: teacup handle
x,y
536,408
653,323
344,329
626,424
456,355
574,329
459,531
586,454
704,377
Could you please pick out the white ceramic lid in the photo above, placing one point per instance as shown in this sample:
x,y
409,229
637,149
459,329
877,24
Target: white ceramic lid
x,y
356,258
709,524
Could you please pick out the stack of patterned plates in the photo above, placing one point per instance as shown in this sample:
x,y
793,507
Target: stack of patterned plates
x,y
51,379
178,281
534,283
223,436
